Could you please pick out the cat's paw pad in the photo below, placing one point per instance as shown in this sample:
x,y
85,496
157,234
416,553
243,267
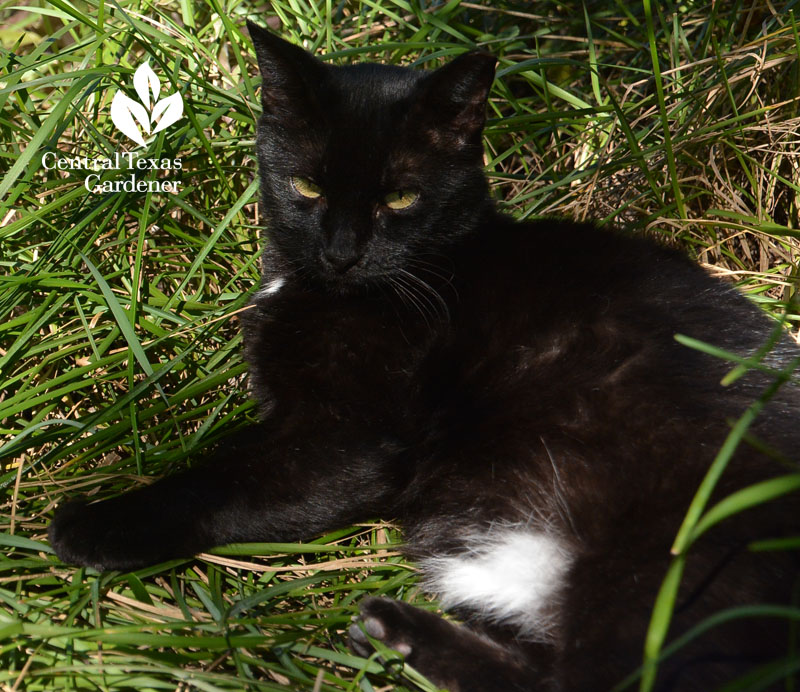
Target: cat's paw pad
x,y
388,621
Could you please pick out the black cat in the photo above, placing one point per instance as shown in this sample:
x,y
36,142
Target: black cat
x,y
511,393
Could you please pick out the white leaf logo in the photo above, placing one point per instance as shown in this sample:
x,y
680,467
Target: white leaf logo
x,y
145,81
167,111
151,115
126,113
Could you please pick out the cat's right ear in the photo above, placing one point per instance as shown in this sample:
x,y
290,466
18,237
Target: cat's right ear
x,y
451,101
289,76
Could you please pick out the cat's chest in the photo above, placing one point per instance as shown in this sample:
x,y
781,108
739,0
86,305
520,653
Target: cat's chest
x,y
343,351
299,328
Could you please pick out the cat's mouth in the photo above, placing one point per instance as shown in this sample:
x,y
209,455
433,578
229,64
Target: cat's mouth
x,y
345,274
349,272
338,262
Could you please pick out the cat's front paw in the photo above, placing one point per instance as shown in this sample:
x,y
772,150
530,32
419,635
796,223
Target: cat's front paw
x,y
90,535
78,535
73,535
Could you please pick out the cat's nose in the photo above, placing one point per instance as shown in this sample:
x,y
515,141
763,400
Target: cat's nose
x,y
341,261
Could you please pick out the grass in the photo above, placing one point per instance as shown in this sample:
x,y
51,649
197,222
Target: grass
x,y
119,349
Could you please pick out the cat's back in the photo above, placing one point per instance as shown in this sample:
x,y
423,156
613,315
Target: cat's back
x,y
574,328
558,267
561,287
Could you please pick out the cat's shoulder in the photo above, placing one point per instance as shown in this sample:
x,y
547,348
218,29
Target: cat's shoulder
x,y
563,252
559,239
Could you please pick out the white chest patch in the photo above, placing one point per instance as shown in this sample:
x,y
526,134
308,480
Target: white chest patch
x,y
511,575
272,287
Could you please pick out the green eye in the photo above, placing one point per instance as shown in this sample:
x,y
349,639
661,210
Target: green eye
x,y
401,199
305,187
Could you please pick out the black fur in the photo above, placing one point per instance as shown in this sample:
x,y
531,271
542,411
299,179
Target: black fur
x,y
453,369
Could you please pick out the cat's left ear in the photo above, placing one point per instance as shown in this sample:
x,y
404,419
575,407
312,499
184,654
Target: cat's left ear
x,y
451,102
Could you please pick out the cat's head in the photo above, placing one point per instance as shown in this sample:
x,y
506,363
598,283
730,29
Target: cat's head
x,y
366,169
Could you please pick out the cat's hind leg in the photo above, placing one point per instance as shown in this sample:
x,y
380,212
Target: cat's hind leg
x,y
451,656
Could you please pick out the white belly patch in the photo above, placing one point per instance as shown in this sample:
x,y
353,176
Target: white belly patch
x,y
511,575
